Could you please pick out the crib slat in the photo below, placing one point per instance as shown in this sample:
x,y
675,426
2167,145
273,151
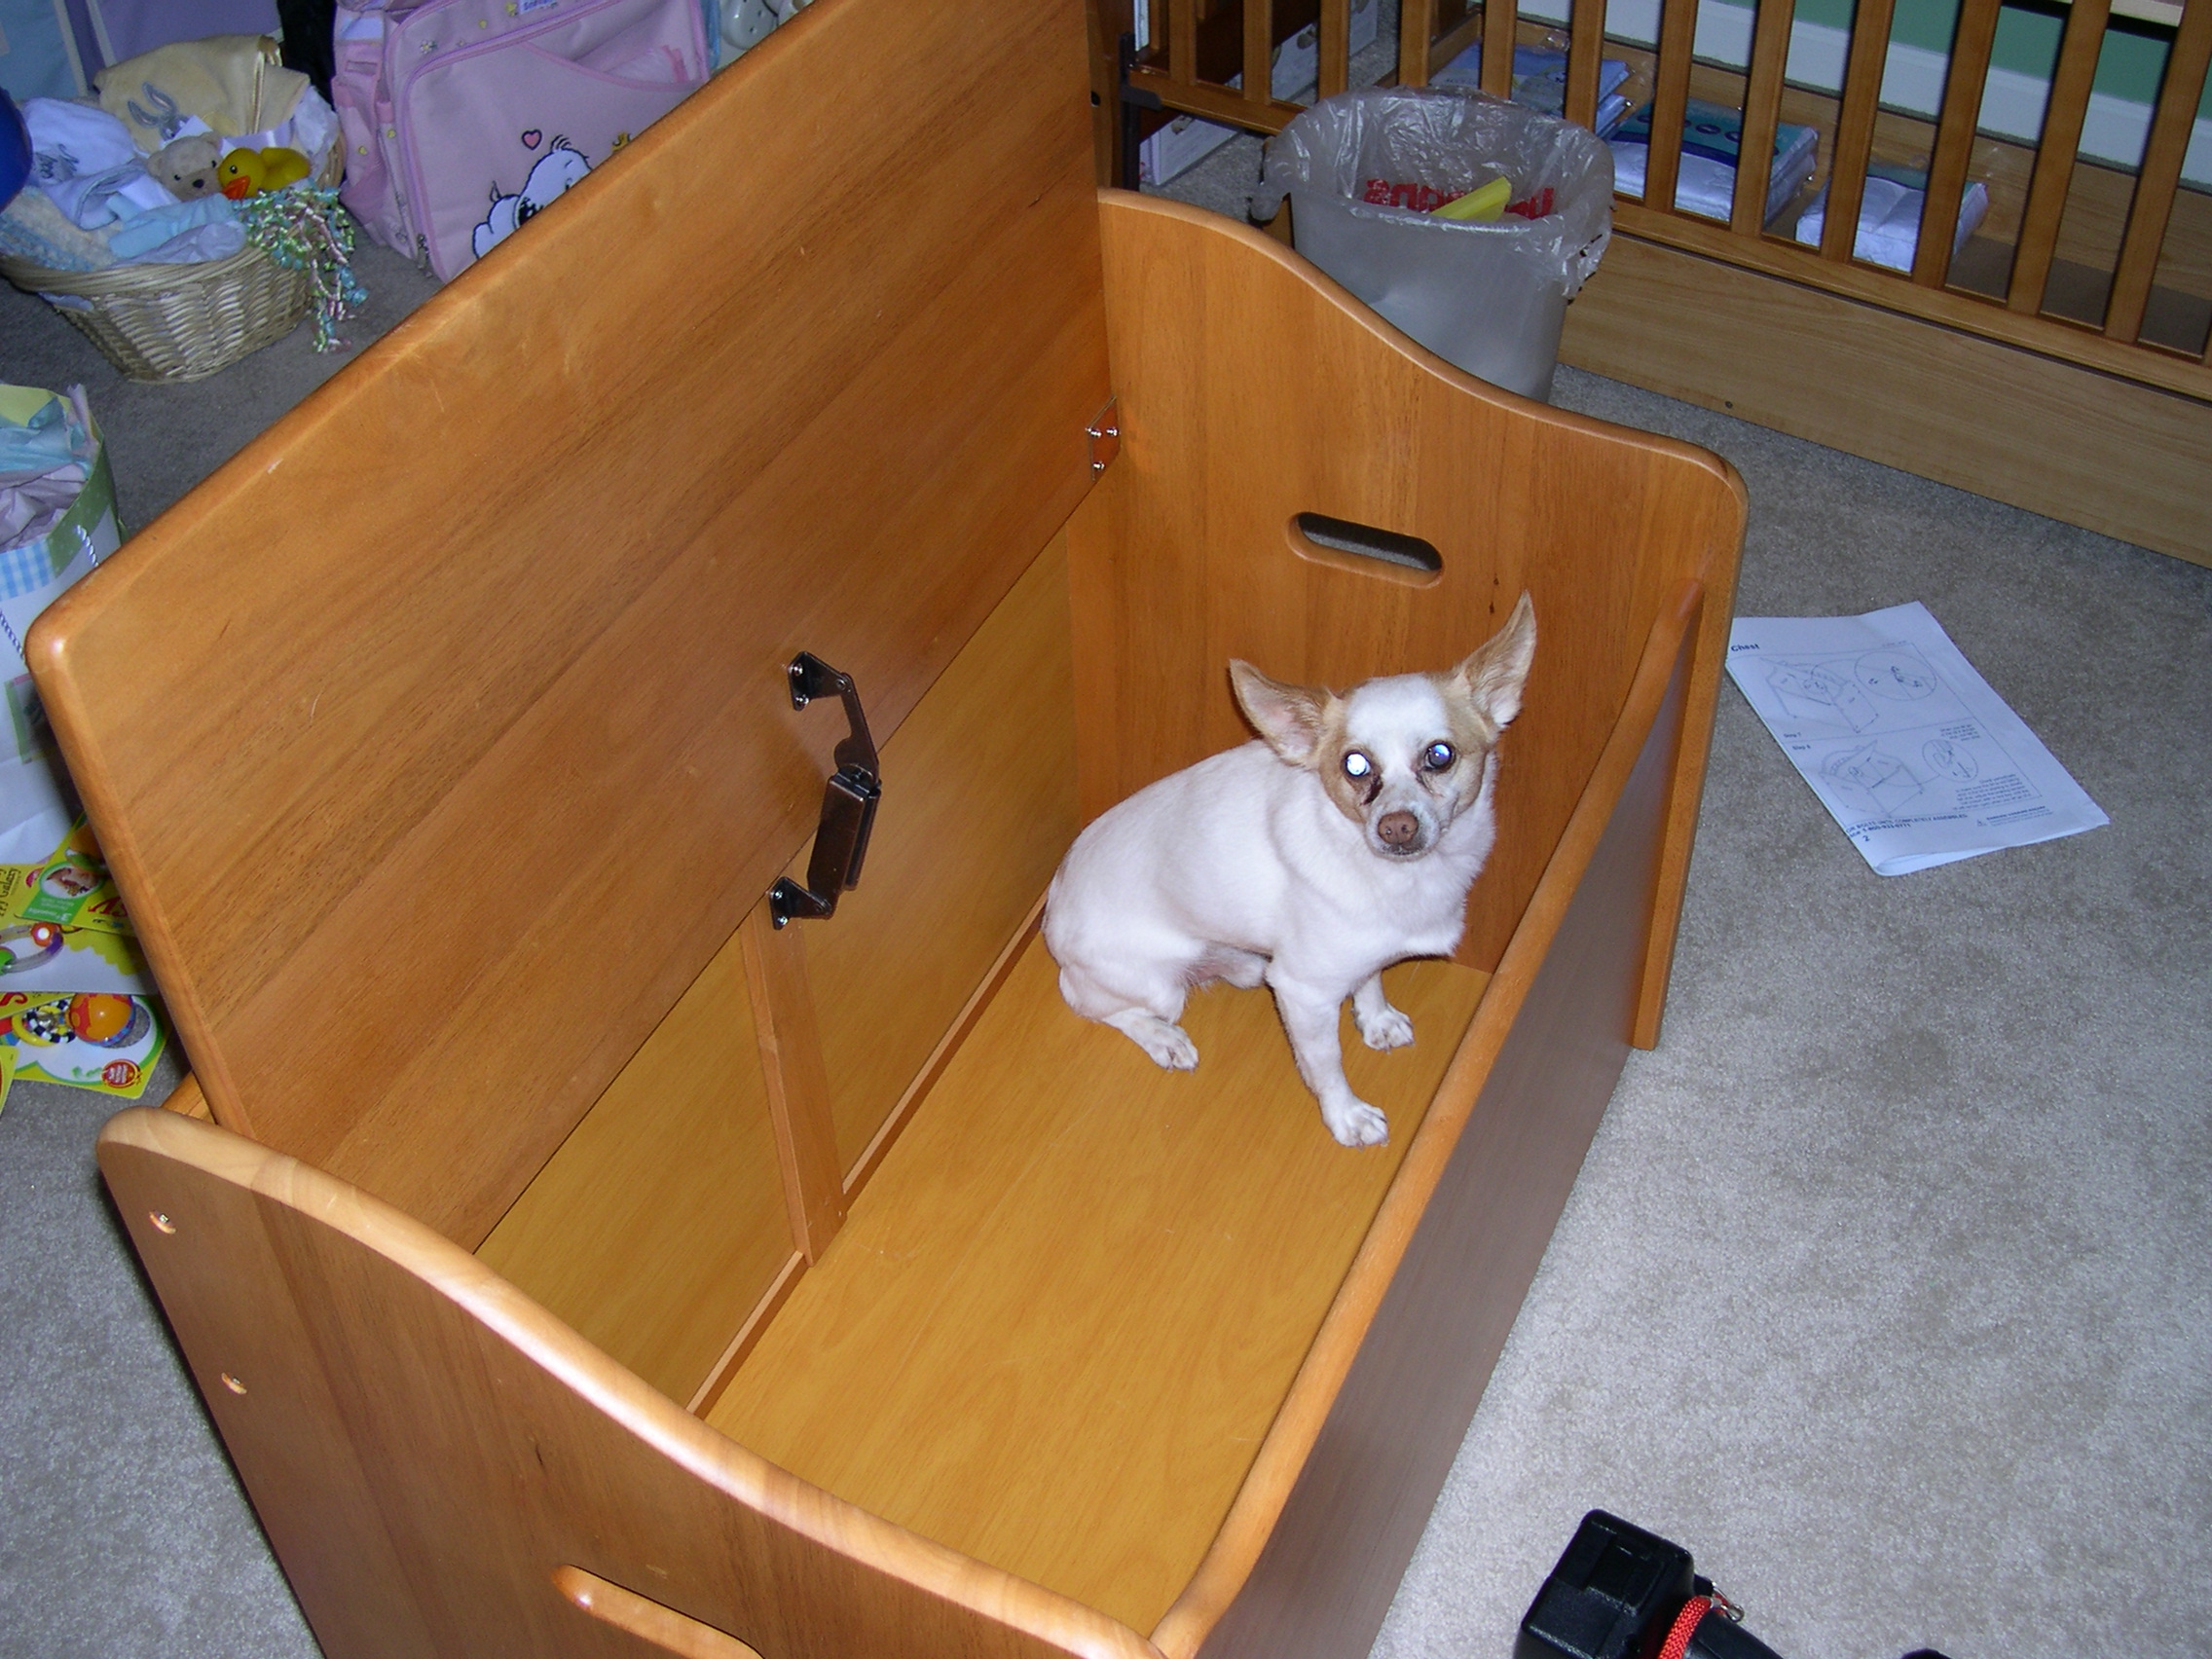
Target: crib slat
x,y
1336,47
1763,114
1500,20
2054,153
2163,156
1259,51
1585,51
1416,27
1954,140
1183,41
1855,126
1455,40
1678,31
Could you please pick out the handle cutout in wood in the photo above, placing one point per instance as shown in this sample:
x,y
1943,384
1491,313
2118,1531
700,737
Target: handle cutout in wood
x,y
1365,550
648,1621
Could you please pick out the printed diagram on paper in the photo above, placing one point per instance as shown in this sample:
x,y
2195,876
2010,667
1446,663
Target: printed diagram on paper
x,y
1891,739
1907,746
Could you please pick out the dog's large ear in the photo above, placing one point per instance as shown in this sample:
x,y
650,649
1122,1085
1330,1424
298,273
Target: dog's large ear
x,y
1491,679
1288,716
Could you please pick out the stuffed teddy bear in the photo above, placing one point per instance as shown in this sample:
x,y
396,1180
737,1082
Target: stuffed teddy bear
x,y
187,166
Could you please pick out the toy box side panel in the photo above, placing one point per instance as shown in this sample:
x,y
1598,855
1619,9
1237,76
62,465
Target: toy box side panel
x,y
1313,1569
1252,391
437,1460
457,702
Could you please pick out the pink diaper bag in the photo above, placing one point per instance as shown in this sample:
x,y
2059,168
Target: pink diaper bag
x,y
464,118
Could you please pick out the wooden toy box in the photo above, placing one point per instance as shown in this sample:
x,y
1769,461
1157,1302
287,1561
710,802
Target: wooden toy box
x,y
579,1263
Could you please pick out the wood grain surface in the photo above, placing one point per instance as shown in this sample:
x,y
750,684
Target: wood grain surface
x,y
456,699
1955,128
1064,1313
2153,296
1443,1274
1670,103
663,1627
1586,48
1182,558
2067,105
1416,30
790,1066
2151,213
978,808
466,786
1762,110
1853,139
2042,434
1501,32
661,1221
426,1448
1956,308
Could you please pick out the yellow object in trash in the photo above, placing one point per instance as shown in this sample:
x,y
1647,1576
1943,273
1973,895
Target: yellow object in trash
x,y
1485,202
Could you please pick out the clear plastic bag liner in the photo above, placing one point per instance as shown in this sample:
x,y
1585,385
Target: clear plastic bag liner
x,y
1490,298
1453,140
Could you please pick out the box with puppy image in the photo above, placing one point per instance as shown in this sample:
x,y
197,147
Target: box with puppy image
x,y
633,1274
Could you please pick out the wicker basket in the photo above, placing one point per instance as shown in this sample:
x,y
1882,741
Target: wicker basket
x,y
176,322
180,322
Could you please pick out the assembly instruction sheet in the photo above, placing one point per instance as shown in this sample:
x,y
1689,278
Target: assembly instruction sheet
x,y
1918,760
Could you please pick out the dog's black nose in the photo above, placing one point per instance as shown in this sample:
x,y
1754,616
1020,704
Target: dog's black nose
x,y
1397,829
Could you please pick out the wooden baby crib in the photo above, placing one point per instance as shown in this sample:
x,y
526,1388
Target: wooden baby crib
x,y
2057,361
578,1263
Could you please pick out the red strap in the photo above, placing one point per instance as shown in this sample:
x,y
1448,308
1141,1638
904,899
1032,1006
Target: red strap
x,y
1685,1626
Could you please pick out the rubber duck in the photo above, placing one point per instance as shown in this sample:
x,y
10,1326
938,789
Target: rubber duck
x,y
248,173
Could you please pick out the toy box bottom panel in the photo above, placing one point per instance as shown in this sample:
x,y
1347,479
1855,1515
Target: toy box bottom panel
x,y
1061,1318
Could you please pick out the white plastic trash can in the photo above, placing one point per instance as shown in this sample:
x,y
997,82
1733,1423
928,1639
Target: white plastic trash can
x,y
1361,170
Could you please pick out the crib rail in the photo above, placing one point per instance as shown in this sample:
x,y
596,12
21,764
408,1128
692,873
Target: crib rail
x,y
2082,260
2162,157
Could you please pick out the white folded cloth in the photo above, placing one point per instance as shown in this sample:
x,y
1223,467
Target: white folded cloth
x,y
84,159
1889,221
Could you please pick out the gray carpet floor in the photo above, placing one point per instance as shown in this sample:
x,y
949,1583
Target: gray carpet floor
x,y
1885,1288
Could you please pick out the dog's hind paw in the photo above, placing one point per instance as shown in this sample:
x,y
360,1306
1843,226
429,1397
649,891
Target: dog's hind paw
x,y
1389,1029
1167,1043
1357,1123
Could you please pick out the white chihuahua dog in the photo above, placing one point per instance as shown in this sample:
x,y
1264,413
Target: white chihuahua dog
x,y
1342,842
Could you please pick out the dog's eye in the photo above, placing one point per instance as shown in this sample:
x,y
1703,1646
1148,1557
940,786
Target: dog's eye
x,y
1357,765
1439,757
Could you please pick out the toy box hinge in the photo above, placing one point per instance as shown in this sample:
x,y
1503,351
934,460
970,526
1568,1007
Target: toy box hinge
x,y
1105,435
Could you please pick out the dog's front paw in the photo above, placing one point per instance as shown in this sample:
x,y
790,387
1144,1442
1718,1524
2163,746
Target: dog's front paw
x,y
1389,1029
1357,1123
1167,1043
